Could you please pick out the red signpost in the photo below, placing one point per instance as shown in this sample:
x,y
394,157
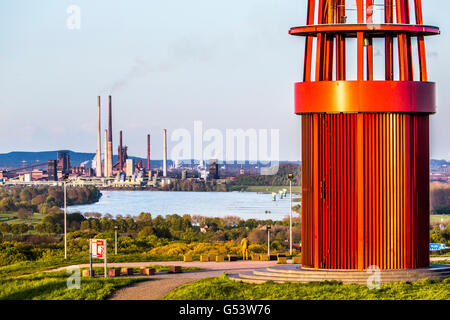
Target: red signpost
x,y
98,250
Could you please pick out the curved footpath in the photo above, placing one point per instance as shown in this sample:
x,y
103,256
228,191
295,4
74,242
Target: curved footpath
x,y
162,283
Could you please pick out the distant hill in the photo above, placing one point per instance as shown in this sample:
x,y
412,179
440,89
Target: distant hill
x,y
19,159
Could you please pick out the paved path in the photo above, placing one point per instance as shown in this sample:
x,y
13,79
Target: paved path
x,y
162,283
439,258
153,289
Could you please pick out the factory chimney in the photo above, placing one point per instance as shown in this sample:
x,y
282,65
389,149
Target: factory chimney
x,y
165,153
120,155
105,161
98,156
148,152
110,143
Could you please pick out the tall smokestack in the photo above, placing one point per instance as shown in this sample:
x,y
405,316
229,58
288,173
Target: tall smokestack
x,y
148,152
110,143
120,152
165,153
105,161
98,156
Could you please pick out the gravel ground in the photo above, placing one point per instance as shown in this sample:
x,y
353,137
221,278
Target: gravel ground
x,y
153,289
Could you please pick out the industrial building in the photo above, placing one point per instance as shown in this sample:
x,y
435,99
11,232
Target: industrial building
x,y
214,169
63,163
52,171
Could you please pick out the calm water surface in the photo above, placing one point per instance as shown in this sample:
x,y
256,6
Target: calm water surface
x,y
212,204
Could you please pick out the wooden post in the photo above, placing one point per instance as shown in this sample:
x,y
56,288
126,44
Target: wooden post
x,y
105,258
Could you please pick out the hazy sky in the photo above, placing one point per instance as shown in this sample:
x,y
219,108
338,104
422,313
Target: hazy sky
x,y
230,64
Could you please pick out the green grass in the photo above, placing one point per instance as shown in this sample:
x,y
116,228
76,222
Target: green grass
x,y
53,286
441,262
29,267
11,217
437,217
222,288
25,280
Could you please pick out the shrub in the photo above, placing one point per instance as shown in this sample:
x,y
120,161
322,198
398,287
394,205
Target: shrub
x,y
257,248
23,213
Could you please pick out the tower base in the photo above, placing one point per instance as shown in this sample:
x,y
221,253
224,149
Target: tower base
x,y
295,273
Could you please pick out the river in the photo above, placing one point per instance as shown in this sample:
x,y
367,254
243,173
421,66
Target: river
x,y
245,205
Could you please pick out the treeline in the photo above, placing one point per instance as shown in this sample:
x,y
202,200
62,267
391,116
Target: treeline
x,y
440,198
194,185
143,234
26,200
278,179
440,235
171,227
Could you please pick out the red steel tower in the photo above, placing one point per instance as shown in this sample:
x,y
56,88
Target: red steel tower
x,y
365,142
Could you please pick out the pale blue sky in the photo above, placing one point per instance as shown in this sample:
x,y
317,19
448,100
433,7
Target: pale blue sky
x,y
229,63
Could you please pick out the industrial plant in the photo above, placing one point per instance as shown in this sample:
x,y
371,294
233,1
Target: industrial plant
x,y
117,171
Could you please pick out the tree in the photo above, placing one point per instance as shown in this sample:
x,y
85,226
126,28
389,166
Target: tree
x,y
251,223
197,220
145,232
26,195
44,227
23,213
160,228
19,228
144,219
7,204
37,200
231,221
440,198
5,227
85,225
258,236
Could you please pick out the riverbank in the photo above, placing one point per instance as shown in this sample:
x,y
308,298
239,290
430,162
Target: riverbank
x,y
237,188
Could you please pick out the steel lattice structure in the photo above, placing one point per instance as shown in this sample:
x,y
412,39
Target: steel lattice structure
x,y
365,143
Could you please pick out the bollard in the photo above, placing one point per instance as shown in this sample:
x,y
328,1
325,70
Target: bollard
x,y
147,271
86,273
175,269
126,271
113,272
281,260
296,260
